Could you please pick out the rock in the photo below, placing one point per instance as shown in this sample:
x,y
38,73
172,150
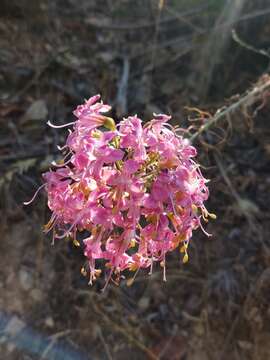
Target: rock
x,y
26,279
13,327
36,295
49,322
37,111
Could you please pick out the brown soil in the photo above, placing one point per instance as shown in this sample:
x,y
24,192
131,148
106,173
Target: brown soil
x,y
55,54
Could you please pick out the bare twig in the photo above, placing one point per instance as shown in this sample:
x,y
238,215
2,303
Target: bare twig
x,y
54,339
107,25
121,99
217,43
248,46
154,48
39,72
243,204
167,345
245,101
123,331
240,315
183,19
106,347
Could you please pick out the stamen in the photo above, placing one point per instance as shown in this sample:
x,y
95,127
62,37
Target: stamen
x,y
131,281
60,148
185,258
50,224
60,126
53,238
34,196
203,230
151,266
64,163
174,211
163,265
70,228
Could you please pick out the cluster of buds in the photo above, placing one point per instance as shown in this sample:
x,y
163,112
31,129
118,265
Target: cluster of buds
x,y
134,188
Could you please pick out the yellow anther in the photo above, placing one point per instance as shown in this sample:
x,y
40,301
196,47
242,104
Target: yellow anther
x,y
181,237
119,164
204,218
152,218
83,271
98,272
170,216
96,134
132,243
194,208
185,258
130,281
183,249
109,123
76,242
133,267
116,142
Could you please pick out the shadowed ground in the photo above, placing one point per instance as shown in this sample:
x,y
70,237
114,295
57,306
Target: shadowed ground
x,y
176,57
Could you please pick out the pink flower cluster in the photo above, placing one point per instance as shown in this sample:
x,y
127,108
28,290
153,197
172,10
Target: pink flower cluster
x,y
135,188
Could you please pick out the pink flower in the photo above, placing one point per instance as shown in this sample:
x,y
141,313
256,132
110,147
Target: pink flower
x,y
135,189
90,113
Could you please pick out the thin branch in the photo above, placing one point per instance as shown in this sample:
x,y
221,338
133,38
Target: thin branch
x,y
122,93
106,347
54,339
247,46
105,24
183,19
247,100
123,331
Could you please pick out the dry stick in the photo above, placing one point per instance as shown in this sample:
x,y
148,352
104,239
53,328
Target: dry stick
x,y
122,93
239,316
40,248
155,42
123,331
226,178
188,39
183,19
54,339
141,25
248,99
235,194
167,345
247,46
217,43
170,19
42,68
106,347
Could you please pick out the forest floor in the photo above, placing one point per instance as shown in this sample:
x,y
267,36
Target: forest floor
x,y
144,57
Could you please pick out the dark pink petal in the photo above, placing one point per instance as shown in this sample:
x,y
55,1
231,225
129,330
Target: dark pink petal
x,y
112,155
131,166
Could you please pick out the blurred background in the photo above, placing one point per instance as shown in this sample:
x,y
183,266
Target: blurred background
x,y
189,58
